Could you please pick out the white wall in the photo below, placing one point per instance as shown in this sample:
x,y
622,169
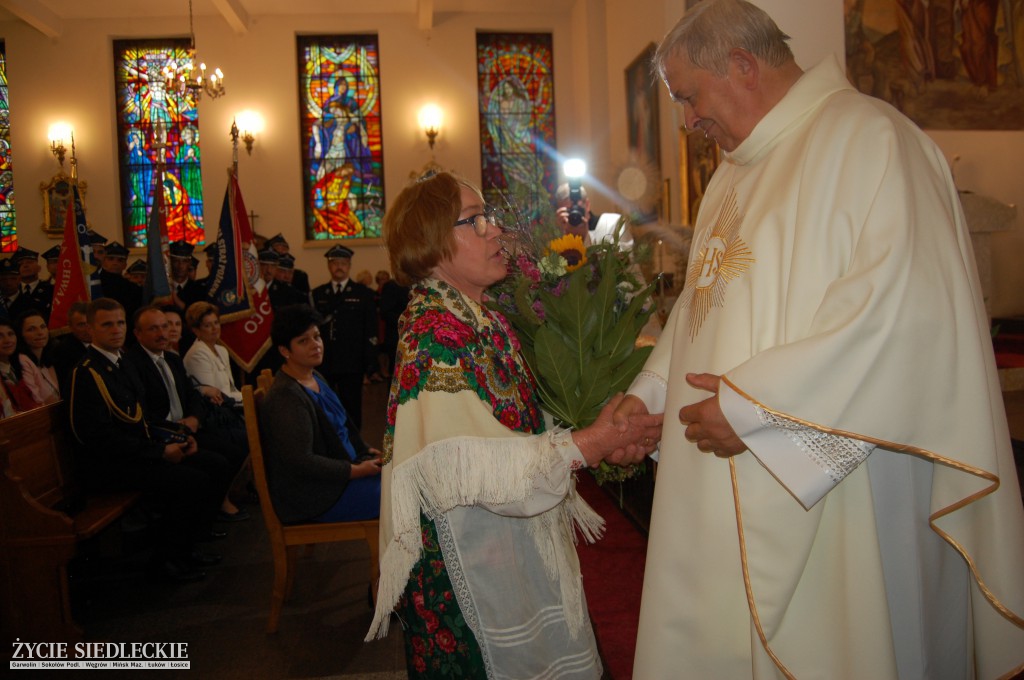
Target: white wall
x,y
71,78
990,161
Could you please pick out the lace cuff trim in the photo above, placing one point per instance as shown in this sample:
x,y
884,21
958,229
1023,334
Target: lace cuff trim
x,y
836,456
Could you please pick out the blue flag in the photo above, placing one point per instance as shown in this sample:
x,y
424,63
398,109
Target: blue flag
x,y
235,263
157,286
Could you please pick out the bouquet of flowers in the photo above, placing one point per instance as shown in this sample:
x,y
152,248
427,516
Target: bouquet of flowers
x,y
578,312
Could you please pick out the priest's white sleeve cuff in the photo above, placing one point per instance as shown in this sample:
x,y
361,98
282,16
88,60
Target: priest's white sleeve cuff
x,y
808,462
651,389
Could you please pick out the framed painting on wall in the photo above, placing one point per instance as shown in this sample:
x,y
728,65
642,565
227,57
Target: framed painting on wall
x,y
642,131
698,158
56,199
945,65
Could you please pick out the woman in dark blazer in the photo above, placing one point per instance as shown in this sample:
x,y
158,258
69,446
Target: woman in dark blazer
x,y
318,466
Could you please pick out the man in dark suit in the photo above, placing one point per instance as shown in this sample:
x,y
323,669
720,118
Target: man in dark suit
x,y
300,280
34,294
71,347
117,449
184,290
169,395
392,300
51,257
282,292
349,331
210,251
9,286
112,266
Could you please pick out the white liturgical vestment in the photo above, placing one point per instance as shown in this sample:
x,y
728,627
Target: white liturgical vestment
x,y
874,527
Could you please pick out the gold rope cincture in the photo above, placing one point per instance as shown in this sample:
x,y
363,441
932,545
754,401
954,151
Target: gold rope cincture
x,y
746,573
900,448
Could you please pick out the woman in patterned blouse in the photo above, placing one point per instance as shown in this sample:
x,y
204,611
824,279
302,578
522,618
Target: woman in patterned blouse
x,y
479,503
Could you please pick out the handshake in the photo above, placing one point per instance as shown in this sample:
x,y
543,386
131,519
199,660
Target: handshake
x,y
620,435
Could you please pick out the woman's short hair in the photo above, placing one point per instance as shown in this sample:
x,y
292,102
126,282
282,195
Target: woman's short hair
x,y
419,227
197,311
292,321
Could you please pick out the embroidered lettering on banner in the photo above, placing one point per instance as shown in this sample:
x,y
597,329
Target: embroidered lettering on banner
x,y
723,256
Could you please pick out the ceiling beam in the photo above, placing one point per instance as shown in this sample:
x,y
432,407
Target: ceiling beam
x,y
36,16
425,14
235,14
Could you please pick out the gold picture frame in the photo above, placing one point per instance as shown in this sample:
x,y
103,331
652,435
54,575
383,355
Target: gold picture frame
x,y
698,158
56,199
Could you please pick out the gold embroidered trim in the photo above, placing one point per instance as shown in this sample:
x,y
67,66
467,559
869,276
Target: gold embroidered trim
x,y
899,448
746,574
107,399
723,256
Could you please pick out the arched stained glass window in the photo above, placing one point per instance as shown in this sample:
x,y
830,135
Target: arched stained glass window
x,y
143,104
517,116
8,230
342,157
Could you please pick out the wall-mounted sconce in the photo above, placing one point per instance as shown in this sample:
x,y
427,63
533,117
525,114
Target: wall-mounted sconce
x,y
430,122
250,123
58,134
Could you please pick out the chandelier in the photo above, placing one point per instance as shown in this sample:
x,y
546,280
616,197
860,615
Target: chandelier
x,y
186,77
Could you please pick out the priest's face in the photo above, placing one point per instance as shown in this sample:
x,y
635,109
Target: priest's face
x,y
713,105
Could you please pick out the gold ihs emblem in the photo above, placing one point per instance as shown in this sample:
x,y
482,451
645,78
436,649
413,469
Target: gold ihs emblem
x,y
723,256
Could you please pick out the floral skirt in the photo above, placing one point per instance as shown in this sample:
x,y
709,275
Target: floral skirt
x,y
438,643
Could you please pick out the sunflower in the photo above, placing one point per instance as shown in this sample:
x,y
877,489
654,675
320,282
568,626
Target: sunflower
x,y
571,248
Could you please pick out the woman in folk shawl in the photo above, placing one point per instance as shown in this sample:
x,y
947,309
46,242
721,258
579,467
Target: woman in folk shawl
x,y
478,502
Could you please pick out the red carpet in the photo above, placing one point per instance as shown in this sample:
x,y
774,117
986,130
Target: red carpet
x,y
613,573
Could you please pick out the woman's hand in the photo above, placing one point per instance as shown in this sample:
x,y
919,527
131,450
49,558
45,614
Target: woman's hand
x,y
212,393
367,468
635,435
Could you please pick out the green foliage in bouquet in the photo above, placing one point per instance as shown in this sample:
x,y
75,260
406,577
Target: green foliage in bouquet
x,y
578,313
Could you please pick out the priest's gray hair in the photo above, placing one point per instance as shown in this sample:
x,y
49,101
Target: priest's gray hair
x,y
711,29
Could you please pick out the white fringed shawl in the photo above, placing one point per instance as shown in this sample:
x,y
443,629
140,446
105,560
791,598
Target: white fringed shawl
x,y
449,456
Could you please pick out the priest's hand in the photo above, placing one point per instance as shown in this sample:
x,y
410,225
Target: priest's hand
x,y
706,424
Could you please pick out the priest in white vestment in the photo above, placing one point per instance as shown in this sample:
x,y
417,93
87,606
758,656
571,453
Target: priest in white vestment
x,y
836,494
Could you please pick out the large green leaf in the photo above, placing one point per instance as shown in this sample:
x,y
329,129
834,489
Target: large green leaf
x,y
628,369
557,364
594,389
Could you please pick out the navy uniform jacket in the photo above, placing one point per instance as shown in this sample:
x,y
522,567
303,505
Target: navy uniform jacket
x,y
300,281
350,329
282,295
106,416
121,289
40,300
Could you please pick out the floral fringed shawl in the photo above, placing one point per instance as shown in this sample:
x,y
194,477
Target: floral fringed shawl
x,y
465,447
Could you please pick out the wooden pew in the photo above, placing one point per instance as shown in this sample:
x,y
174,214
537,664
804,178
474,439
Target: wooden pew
x,y
42,519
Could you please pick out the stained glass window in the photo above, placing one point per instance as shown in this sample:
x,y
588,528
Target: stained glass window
x,y
342,158
8,232
517,117
144,104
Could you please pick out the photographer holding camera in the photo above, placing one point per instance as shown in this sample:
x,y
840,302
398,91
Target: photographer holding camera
x,y
572,208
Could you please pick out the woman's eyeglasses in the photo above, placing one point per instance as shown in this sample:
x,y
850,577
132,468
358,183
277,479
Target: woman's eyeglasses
x,y
481,221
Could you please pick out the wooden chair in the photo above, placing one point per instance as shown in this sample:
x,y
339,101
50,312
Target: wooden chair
x,y
285,540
